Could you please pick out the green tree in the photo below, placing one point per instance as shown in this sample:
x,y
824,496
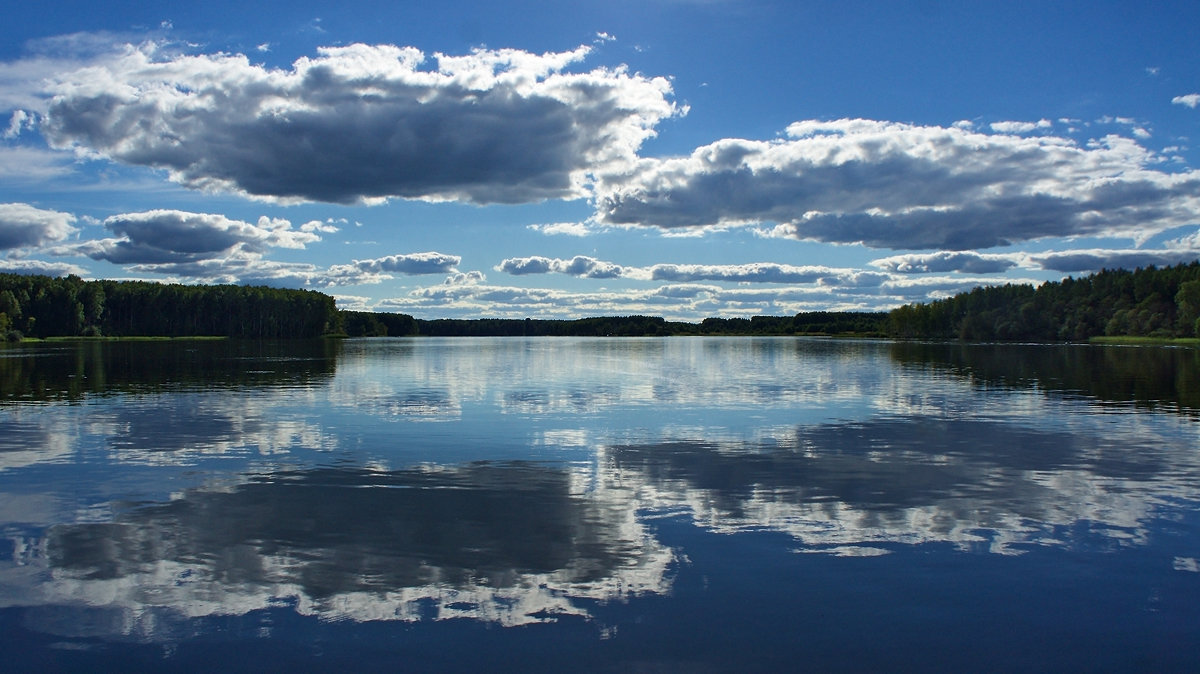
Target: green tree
x,y
1188,302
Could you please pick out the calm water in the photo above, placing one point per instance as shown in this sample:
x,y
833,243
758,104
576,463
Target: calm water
x,y
564,504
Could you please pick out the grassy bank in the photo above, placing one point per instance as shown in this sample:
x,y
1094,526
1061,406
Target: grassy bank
x,y
192,338
1147,341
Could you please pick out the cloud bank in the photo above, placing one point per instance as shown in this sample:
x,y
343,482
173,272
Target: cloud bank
x,y
674,301
360,123
903,186
756,272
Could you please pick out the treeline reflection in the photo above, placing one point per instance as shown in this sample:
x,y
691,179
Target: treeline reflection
x,y
1149,377
69,371
1158,378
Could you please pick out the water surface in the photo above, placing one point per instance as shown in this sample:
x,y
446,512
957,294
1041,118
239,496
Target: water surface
x,y
681,504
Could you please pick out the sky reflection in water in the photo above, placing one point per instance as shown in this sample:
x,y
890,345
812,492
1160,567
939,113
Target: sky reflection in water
x,y
148,494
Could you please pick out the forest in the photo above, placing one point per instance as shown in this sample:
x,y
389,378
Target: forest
x,y
44,306
366,324
1147,302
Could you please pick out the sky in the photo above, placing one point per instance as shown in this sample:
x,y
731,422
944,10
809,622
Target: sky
x,y
536,159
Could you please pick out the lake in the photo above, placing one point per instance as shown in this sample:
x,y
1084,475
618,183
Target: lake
x,y
562,504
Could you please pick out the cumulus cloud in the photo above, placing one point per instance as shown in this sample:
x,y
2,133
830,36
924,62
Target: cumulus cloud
x,y
903,186
378,270
580,265
411,264
22,225
468,278
176,237
949,261
361,123
1190,100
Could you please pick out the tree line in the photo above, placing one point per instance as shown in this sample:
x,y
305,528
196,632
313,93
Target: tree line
x,y
45,306
1152,302
1146,302
368,324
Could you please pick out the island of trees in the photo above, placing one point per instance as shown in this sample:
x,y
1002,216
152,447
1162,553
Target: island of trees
x,y
1148,302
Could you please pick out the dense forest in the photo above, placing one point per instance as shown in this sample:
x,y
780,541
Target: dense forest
x,y
44,306
1150,302
365,324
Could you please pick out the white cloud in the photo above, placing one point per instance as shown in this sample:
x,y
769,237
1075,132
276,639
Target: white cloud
x,y
352,302
20,121
39,267
469,278
240,267
1017,127
361,123
326,227
949,261
902,186
565,228
755,272
1190,100
763,272
411,264
580,265
21,81
22,225
840,290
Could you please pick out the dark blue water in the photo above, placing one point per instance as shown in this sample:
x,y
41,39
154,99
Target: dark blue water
x,y
675,504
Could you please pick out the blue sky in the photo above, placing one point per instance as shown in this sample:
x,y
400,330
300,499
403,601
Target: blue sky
x,y
682,158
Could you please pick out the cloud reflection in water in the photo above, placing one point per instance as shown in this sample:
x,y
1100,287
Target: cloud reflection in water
x,y
323,498
512,543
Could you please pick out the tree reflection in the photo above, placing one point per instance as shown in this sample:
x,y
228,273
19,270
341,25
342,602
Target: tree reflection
x,y
1158,378
69,371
